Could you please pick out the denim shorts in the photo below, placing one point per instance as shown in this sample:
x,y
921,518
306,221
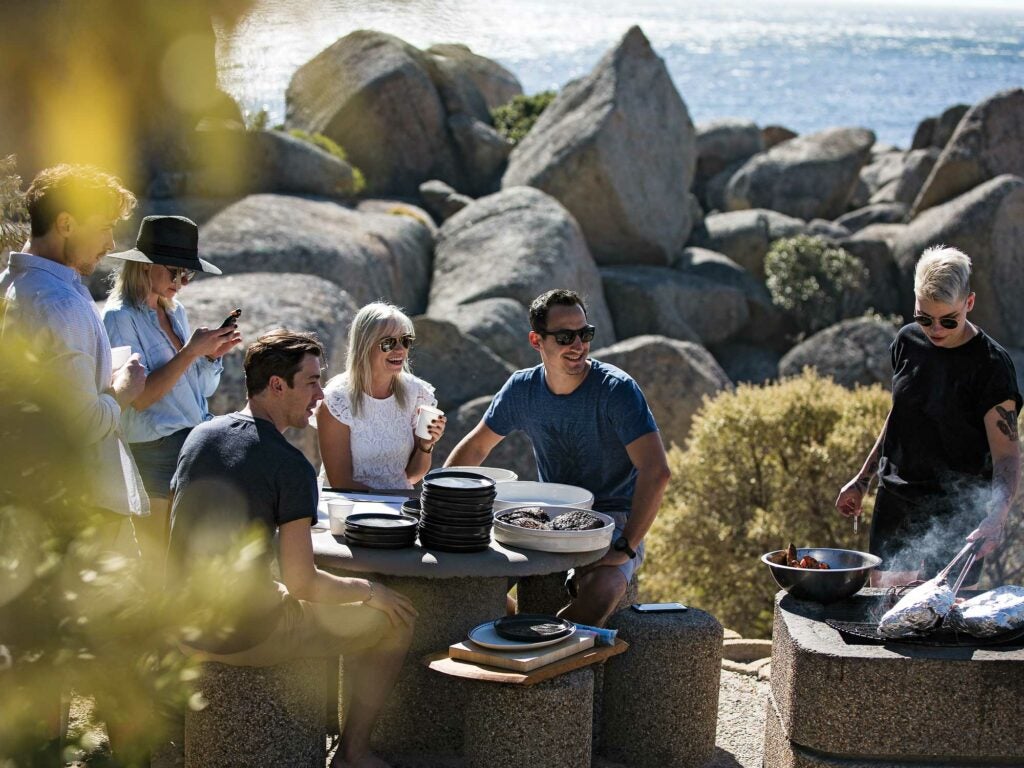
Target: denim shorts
x,y
157,460
632,565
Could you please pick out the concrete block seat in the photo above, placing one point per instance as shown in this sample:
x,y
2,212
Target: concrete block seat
x,y
659,706
547,724
260,716
546,594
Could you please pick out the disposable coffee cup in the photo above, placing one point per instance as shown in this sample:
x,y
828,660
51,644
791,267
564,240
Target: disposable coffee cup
x,y
338,511
426,415
119,356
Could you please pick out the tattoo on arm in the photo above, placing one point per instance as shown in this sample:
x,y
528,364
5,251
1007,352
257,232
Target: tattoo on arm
x,y
1007,423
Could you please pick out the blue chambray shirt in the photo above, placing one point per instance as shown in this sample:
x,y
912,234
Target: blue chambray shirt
x,y
185,405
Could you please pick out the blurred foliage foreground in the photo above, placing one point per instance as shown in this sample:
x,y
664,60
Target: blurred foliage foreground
x,y
762,468
72,615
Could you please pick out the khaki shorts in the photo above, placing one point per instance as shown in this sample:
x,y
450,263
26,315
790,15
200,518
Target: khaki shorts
x,y
311,630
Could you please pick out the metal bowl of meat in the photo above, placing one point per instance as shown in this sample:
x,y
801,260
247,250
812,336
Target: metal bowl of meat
x,y
846,573
553,529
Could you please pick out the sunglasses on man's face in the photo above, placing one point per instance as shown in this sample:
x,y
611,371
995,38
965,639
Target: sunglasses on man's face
x,y
390,342
949,323
565,336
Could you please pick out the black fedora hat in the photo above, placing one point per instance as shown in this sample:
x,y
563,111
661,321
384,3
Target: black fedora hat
x,y
172,241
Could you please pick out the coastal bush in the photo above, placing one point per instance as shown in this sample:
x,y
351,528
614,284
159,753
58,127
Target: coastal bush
x,y
13,214
762,468
72,615
331,147
816,283
515,119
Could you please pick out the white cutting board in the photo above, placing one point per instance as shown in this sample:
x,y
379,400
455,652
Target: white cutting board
x,y
522,661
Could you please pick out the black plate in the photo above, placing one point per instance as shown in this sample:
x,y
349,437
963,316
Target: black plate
x,y
457,505
458,481
531,627
381,535
455,530
382,545
462,548
476,538
459,518
380,522
412,508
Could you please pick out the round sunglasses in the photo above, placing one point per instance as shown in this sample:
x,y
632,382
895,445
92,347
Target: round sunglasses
x,y
949,323
388,343
565,336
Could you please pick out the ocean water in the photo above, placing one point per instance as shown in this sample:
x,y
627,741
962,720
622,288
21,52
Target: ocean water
x,y
808,66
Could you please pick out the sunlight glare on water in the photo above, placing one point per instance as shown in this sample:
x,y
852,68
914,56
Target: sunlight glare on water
x,y
807,66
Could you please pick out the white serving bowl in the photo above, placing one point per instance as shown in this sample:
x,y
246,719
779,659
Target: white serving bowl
x,y
524,493
497,474
555,541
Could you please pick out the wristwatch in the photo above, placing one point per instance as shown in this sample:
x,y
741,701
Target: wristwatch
x,y
622,545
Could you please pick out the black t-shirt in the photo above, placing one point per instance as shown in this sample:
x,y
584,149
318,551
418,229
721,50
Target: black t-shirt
x,y
936,440
237,478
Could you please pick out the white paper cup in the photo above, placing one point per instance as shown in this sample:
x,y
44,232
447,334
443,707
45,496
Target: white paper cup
x,y
338,511
119,356
427,413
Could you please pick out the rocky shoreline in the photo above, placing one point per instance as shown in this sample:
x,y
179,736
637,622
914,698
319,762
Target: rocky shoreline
x,y
662,224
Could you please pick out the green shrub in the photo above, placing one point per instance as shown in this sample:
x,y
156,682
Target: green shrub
x,y
816,283
257,121
762,468
515,119
13,213
331,147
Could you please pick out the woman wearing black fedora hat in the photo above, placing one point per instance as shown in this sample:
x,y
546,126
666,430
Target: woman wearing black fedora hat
x,y
183,365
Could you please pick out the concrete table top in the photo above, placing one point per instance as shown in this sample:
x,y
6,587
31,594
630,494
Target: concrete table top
x,y
495,562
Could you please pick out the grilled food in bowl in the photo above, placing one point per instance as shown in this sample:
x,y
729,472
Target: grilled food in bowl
x,y
847,572
554,540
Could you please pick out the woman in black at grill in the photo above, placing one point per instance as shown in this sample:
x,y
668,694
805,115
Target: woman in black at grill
x,y
948,456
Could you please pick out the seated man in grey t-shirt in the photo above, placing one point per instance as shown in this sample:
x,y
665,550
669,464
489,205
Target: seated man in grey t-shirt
x,y
590,426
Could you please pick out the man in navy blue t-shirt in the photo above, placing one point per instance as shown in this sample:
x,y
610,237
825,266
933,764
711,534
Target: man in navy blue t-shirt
x,y
590,426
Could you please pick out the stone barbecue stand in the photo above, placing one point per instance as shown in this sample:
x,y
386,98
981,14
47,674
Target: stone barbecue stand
x,y
272,716
425,718
887,706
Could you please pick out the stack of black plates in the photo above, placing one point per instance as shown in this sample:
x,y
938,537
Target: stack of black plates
x,y
380,531
456,512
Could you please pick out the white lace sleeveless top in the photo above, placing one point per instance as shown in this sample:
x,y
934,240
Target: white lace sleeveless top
x,y
382,434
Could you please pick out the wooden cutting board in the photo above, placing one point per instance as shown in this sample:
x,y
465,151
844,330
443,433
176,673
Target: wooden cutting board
x,y
522,661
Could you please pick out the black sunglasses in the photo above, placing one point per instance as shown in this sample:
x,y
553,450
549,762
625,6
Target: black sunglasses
x,y
565,336
390,342
181,274
949,323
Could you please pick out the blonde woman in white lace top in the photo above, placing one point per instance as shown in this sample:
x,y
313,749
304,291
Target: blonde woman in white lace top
x,y
366,420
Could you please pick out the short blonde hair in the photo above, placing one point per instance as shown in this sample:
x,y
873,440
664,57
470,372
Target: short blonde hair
x,y
372,323
943,274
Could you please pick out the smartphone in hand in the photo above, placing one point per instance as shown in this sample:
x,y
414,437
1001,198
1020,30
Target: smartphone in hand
x,y
232,319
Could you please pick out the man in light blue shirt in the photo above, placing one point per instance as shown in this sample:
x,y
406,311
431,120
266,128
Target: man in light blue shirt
x,y
590,426
73,210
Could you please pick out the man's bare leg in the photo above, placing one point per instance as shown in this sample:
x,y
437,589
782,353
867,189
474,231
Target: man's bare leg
x,y
369,678
599,592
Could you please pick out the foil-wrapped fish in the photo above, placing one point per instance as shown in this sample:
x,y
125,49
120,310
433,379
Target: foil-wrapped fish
x,y
920,610
990,613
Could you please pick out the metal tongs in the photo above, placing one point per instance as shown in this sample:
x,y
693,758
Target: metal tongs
x,y
970,552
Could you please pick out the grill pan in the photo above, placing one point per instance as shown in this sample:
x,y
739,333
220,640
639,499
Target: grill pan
x,y
861,631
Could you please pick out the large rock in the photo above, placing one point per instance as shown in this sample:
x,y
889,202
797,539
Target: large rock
x,y
617,149
809,177
773,135
720,145
674,376
852,352
876,213
882,292
370,252
496,84
987,224
766,324
373,94
748,363
515,452
667,302
268,301
232,162
502,324
745,236
441,200
988,141
946,124
483,153
515,244
911,172
459,367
